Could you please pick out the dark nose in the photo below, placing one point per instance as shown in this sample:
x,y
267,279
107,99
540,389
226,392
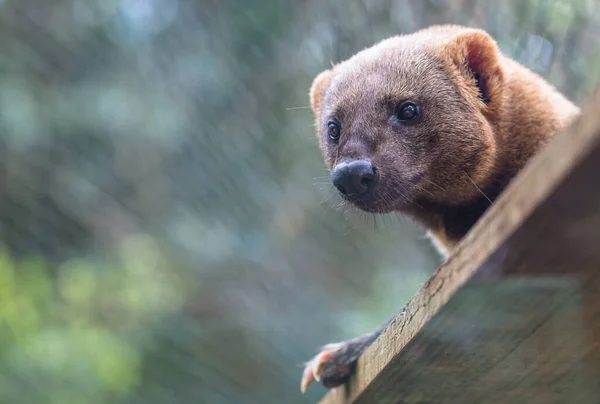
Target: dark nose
x,y
355,177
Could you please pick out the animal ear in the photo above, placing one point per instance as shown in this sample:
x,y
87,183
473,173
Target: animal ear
x,y
477,56
318,88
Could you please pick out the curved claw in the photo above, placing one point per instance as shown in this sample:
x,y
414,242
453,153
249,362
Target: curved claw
x,y
312,370
336,362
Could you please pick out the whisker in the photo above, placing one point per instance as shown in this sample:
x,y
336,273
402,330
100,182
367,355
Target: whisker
x,y
479,189
434,184
416,204
293,108
423,189
326,200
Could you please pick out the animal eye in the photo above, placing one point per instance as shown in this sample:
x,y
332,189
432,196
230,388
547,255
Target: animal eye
x,y
407,112
333,130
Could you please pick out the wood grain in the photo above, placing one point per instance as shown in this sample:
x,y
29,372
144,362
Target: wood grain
x,y
514,315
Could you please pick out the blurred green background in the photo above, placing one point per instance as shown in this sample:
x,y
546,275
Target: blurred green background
x,y
168,230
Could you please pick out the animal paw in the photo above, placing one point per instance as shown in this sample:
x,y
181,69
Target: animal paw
x,y
336,362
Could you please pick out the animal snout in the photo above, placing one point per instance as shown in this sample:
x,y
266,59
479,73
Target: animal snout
x,y
354,177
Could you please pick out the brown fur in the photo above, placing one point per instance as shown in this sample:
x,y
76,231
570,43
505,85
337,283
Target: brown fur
x,y
483,116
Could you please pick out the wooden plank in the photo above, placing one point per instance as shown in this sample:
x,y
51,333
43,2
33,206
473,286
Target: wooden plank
x,y
514,315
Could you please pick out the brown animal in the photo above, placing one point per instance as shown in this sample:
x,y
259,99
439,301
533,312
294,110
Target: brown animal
x,y
433,125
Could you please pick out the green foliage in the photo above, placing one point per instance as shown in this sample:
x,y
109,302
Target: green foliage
x,y
72,332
